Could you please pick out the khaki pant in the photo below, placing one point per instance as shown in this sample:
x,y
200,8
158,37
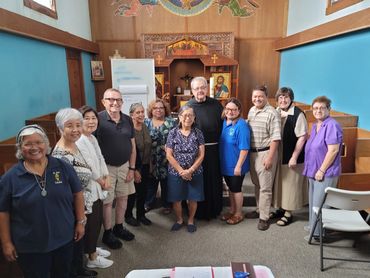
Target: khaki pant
x,y
118,185
263,181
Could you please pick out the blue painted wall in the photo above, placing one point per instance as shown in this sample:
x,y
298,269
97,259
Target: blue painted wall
x,y
88,84
338,68
34,81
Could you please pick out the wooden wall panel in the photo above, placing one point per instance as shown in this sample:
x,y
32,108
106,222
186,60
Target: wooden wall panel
x,y
259,64
268,21
210,21
161,21
254,37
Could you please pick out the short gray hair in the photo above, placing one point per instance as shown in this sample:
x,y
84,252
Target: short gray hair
x,y
30,130
182,110
110,90
65,115
135,106
199,78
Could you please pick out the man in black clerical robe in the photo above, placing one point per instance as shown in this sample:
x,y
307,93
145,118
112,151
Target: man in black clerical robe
x,y
208,119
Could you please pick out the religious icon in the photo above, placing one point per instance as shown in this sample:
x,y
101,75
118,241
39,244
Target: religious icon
x,y
159,84
97,71
222,87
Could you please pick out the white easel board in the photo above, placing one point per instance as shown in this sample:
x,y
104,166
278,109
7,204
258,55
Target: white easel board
x,y
134,78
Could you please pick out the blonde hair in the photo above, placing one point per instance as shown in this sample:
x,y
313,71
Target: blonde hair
x,y
165,105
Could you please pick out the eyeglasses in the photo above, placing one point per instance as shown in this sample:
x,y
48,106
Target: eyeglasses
x,y
190,116
199,88
231,109
158,108
29,145
112,100
323,108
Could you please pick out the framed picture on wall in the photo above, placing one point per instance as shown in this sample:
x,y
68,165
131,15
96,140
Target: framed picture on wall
x,y
159,84
337,5
222,87
97,70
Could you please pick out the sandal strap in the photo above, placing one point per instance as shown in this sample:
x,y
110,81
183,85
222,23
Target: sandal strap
x,y
285,220
235,219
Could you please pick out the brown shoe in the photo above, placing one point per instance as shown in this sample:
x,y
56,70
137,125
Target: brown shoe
x,y
252,214
263,225
235,219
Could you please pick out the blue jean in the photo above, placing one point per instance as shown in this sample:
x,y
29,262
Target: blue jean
x,y
152,192
316,195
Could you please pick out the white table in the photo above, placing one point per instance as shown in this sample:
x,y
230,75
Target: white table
x,y
220,272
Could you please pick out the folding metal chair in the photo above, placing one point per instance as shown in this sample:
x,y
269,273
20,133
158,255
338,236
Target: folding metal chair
x,y
343,216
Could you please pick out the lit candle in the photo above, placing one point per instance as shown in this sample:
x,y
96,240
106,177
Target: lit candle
x,y
212,87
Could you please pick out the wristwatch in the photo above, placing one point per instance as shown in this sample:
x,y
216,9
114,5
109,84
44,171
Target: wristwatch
x,y
82,221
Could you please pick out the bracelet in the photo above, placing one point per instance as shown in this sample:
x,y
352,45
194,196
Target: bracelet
x,y
82,221
132,168
321,171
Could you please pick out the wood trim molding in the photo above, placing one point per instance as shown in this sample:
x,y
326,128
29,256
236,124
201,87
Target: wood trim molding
x,y
339,5
350,23
20,25
42,9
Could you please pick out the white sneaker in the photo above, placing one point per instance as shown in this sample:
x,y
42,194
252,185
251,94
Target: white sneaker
x,y
99,262
102,252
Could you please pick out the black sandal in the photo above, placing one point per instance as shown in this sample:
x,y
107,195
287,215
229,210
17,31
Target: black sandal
x,y
277,214
285,220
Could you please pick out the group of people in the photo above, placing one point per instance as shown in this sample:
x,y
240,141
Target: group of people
x,y
53,204
283,156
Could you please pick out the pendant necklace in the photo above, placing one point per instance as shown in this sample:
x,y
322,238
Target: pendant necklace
x,y
41,182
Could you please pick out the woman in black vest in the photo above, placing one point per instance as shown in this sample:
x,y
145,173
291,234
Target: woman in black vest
x,y
290,185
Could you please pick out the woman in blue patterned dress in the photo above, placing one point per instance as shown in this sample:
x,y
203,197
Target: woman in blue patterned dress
x,y
185,153
159,124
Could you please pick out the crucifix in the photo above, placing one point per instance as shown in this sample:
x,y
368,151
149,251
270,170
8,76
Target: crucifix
x,y
187,78
159,59
214,58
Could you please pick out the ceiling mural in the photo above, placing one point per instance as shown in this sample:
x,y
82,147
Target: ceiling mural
x,y
238,8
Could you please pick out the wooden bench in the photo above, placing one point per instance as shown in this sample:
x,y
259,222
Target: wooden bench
x,y
356,148
345,120
7,147
7,158
47,122
359,179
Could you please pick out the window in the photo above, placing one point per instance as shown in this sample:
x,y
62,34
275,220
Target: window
x,y
336,5
47,7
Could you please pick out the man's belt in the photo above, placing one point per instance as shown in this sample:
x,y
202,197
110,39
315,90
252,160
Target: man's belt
x,y
210,144
256,150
